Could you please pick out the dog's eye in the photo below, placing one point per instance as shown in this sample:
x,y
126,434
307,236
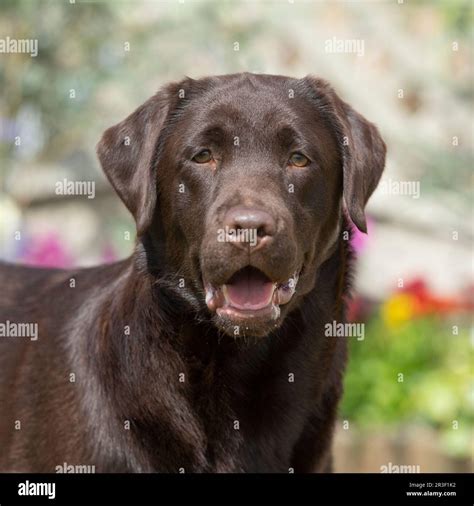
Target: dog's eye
x,y
203,156
298,160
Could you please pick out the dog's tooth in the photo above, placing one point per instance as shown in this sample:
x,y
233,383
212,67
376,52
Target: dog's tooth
x,y
208,296
296,277
276,296
224,292
213,297
276,312
271,296
285,292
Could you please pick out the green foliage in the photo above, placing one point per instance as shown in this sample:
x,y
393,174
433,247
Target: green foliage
x,y
69,44
436,367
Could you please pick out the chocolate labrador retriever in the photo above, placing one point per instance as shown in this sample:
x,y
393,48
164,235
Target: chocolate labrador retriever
x,y
205,351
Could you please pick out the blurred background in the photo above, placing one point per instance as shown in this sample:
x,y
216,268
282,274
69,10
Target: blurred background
x,y
405,65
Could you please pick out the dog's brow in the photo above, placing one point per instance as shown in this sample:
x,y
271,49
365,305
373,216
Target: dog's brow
x,y
211,134
288,136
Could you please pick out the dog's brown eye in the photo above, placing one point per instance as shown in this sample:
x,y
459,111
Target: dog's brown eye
x,y
203,156
298,160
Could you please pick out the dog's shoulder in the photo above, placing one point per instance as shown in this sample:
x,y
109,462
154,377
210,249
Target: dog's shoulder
x,y
27,285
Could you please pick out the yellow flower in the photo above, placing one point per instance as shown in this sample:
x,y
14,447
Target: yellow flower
x,y
398,309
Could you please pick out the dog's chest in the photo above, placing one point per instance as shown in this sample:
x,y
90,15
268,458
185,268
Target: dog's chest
x,y
250,421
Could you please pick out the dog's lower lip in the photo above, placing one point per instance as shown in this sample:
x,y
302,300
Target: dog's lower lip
x,y
235,313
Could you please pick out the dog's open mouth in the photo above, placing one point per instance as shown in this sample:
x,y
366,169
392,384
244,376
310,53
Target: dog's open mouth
x,y
249,294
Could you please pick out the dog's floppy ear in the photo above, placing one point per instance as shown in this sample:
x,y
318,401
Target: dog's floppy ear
x,y
361,146
127,154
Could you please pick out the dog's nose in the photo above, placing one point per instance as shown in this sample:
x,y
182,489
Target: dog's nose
x,y
249,226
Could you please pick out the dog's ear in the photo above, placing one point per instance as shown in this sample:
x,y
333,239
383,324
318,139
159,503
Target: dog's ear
x,y
361,146
127,154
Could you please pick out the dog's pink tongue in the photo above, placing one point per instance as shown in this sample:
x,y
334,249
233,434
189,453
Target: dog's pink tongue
x,y
249,289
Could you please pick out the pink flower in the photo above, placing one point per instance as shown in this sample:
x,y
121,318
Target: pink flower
x,y
46,251
359,239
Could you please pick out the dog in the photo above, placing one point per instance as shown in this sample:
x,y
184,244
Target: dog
x,y
204,351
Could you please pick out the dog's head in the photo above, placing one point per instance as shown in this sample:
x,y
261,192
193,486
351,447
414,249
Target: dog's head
x,y
241,181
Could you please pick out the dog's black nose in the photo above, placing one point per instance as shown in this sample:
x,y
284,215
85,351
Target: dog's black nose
x,y
247,226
